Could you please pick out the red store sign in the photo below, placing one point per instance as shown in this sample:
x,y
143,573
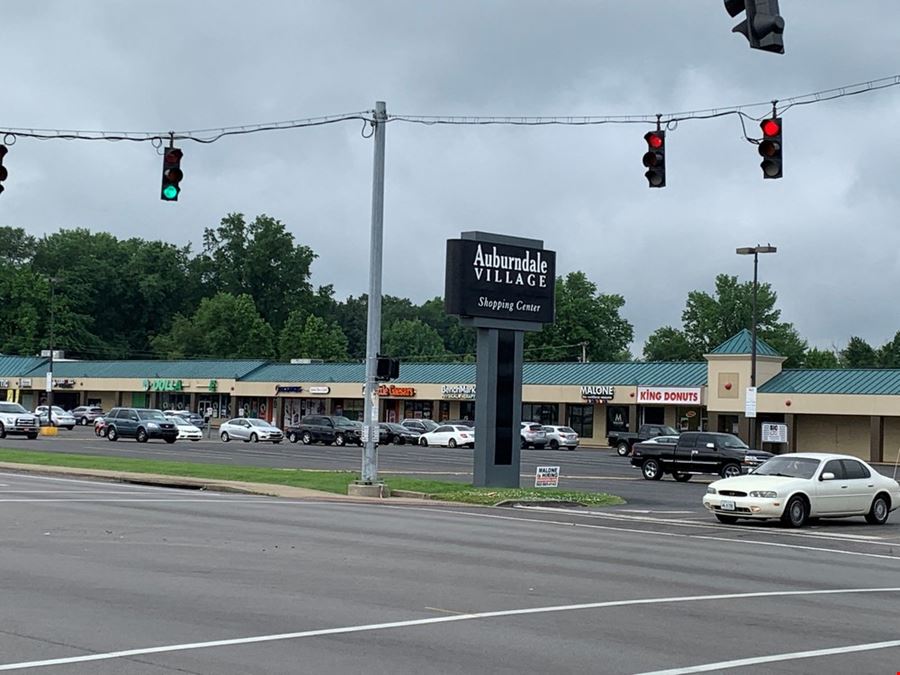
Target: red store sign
x,y
671,395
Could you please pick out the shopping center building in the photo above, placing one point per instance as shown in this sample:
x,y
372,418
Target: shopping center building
x,y
853,411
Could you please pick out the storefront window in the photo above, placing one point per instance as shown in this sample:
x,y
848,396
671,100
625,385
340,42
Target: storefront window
x,y
169,401
581,419
219,404
295,408
653,414
418,409
616,418
467,410
545,413
443,411
351,408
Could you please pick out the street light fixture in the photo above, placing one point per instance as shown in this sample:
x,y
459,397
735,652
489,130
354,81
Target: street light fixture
x,y
754,251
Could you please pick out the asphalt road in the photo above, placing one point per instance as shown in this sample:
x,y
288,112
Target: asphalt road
x,y
100,578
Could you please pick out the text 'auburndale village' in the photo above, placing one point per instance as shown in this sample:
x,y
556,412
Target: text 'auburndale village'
x,y
526,270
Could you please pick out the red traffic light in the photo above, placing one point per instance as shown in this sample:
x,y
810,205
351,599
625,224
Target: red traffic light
x,y
172,156
654,139
770,127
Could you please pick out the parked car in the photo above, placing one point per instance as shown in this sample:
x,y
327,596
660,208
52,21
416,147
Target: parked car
x,y
392,432
420,424
14,419
141,424
561,437
465,423
533,435
194,418
250,430
326,429
697,452
451,435
60,417
86,414
796,487
186,430
623,441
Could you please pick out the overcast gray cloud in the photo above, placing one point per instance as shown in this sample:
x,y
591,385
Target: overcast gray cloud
x,y
192,65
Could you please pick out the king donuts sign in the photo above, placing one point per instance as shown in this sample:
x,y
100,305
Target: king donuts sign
x,y
499,281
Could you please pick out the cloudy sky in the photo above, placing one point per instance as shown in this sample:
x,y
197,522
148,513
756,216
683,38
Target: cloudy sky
x,y
174,65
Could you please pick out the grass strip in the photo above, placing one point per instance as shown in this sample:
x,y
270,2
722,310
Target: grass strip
x,y
325,481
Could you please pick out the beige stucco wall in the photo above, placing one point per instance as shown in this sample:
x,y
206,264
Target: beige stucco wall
x,y
734,369
833,433
891,439
833,404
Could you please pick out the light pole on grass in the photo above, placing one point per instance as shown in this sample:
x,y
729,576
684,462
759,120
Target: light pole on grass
x,y
754,251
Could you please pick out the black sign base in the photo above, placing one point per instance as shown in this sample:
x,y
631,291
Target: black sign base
x,y
498,408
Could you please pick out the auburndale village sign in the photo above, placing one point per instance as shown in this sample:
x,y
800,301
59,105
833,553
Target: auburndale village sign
x,y
502,286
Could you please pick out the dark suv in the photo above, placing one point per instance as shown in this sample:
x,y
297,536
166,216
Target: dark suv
x,y
327,429
142,424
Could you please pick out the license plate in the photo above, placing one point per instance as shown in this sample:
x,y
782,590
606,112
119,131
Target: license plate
x,y
727,505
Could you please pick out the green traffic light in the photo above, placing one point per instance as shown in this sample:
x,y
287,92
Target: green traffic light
x,y
170,192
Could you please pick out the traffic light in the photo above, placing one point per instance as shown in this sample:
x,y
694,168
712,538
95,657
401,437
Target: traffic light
x,y
3,172
770,147
387,368
763,26
171,175
655,158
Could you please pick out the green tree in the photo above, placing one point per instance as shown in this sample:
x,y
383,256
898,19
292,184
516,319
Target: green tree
x,y
820,358
668,344
889,353
16,247
459,341
311,337
260,259
224,327
858,354
412,340
582,315
351,316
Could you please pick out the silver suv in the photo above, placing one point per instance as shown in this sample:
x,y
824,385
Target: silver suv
x,y
561,437
86,414
14,419
533,435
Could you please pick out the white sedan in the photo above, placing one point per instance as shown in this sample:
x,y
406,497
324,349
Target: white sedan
x,y
800,486
451,435
250,429
186,430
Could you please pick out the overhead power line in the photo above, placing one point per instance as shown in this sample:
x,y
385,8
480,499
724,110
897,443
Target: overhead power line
x,y
213,134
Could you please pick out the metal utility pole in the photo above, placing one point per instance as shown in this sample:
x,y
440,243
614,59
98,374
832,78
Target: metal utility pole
x,y
369,473
49,384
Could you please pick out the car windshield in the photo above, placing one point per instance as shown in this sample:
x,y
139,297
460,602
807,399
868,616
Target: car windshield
x,y
566,430
180,421
790,467
152,415
58,410
733,442
12,408
255,421
668,431
343,421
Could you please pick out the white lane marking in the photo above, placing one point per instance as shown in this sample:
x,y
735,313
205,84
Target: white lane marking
x,y
788,656
705,524
430,621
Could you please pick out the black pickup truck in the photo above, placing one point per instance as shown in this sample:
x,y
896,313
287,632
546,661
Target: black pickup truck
x,y
697,452
623,440
326,429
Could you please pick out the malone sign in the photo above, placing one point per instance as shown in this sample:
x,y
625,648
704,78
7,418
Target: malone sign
x,y
499,281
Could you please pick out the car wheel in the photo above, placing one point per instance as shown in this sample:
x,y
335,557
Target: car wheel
x,y
292,437
554,445
84,421
396,440
796,512
254,438
651,469
681,476
423,442
225,438
728,520
276,442
32,436
305,438
112,434
622,449
2,431
70,427
730,470
339,440
169,439
451,443
878,513
141,435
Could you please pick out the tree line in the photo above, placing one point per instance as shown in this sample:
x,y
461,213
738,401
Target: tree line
x,y
249,294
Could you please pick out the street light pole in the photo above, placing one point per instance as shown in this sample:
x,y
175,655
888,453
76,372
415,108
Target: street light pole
x,y
755,251
49,386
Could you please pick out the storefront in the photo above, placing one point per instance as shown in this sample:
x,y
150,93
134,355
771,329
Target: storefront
x,y
457,402
297,402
